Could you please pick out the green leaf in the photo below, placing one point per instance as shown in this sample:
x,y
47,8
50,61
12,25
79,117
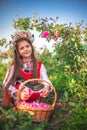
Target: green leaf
x,y
66,95
72,104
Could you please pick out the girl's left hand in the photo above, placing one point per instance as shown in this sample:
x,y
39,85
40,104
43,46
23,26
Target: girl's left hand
x,y
44,92
24,95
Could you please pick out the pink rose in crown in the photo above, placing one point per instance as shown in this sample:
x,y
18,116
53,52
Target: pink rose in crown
x,y
57,33
26,34
18,35
5,53
46,34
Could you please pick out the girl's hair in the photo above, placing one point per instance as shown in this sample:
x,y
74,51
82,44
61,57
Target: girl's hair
x,y
17,62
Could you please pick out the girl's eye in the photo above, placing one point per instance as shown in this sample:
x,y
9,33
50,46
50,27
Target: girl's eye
x,y
21,48
27,46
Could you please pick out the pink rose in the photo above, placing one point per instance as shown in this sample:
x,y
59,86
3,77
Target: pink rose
x,y
5,53
45,34
57,33
27,34
18,35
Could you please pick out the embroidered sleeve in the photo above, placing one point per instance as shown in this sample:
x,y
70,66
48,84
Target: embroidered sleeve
x,y
8,76
12,89
43,75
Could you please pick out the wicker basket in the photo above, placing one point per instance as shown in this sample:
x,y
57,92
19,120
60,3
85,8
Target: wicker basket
x,y
40,114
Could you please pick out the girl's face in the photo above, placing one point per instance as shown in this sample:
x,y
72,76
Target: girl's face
x,y
24,49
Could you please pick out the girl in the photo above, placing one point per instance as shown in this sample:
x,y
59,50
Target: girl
x,y
25,66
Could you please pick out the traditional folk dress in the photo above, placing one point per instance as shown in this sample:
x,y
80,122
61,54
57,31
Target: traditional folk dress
x,y
26,73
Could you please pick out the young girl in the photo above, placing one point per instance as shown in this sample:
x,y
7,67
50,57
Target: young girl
x,y
25,66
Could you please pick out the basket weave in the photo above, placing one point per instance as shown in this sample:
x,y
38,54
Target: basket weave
x,y
40,114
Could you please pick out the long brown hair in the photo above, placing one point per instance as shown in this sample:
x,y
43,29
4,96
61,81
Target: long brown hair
x,y
17,62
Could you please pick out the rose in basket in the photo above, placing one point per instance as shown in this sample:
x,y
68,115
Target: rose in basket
x,y
34,104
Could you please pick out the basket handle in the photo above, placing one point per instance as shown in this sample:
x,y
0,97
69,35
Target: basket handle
x,y
40,80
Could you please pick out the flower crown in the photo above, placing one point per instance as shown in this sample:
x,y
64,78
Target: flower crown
x,y
22,34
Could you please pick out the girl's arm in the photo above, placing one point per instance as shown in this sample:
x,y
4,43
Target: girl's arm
x,y
8,76
11,88
43,75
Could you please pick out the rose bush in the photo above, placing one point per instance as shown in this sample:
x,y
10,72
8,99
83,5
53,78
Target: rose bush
x,y
66,65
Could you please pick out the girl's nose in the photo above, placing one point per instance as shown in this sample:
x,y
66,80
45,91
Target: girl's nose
x,y
25,48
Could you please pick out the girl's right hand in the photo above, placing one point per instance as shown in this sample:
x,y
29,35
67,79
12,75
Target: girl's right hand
x,y
24,95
